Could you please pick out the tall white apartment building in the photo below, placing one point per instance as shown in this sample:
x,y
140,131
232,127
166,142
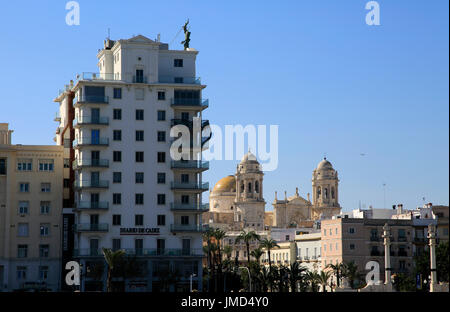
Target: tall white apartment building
x,y
128,193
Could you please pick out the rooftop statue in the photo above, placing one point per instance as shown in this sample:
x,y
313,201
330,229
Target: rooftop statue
x,y
187,35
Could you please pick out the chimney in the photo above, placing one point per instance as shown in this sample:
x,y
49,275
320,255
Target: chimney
x,y
5,134
399,209
308,196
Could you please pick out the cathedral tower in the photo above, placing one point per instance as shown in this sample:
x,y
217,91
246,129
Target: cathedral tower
x,y
325,191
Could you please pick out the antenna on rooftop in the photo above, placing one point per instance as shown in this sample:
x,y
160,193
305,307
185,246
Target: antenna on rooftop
x,y
109,34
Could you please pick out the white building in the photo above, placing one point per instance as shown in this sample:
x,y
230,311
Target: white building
x,y
128,192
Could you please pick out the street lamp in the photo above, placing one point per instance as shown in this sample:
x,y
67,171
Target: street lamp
x,y
190,286
249,277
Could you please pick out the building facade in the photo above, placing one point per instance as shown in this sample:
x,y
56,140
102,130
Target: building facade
x,y
31,196
129,193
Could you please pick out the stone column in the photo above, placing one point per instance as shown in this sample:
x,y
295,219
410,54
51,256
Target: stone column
x,y
387,254
432,243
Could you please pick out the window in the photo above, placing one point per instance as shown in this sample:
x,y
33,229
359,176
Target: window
x,y
3,163
139,220
161,95
44,251
117,177
139,94
178,62
24,165
184,220
139,246
184,116
185,199
22,229
139,178
117,156
22,251
336,231
139,114
24,187
23,207
352,246
161,199
351,230
116,244
324,232
45,187
45,164
178,79
117,198
161,220
185,178
45,207
161,136
139,156
44,229
43,273
117,114
117,135
117,219
21,272
139,199
161,157
161,178
117,93
161,115
66,183
139,135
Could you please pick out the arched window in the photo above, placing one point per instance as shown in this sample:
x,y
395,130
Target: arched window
x,y
319,192
249,187
242,187
326,193
332,192
257,187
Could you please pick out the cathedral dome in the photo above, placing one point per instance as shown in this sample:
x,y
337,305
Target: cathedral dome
x,y
324,165
227,184
249,157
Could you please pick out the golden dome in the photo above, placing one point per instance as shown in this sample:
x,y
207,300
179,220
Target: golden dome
x,y
227,184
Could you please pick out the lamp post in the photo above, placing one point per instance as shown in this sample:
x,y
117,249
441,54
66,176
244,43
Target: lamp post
x,y
190,278
249,277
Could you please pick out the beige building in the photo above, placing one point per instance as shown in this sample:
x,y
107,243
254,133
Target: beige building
x,y
296,211
442,214
360,240
31,195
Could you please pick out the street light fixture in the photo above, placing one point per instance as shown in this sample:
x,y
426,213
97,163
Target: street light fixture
x,y
190,286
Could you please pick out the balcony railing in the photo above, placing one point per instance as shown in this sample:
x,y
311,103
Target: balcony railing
x,y
91,184
89,227
97,76
187,228
185,80
402,239
139,79
91,99
192,207
189,164
189,102
188,123
89,141
95,163
144,252
374,239
92,205
190,186
420,239
86,120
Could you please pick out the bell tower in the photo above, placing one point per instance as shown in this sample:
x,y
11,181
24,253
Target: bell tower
x,y
325,189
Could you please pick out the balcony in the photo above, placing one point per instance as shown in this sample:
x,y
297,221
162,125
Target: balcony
x,y
188,123
86,120
87,252
402,239
187,208
91,184
87,99
420,240
190,186
155,252
185,102
90,142
90,163
375,239
177,80
402,253
190,164
87,205
139,79
88,227
375,253
192,228
89,76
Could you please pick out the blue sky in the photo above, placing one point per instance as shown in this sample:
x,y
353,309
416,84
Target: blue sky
x,y
333,84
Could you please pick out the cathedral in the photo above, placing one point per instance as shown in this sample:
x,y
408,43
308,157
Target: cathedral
x,y
236,202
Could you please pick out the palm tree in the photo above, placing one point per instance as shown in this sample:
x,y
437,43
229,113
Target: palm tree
x,y
247,237
351,272
207,235
296,274
227,250
269,244
313,278
257,253
323,279
337,271
112,258
219,235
